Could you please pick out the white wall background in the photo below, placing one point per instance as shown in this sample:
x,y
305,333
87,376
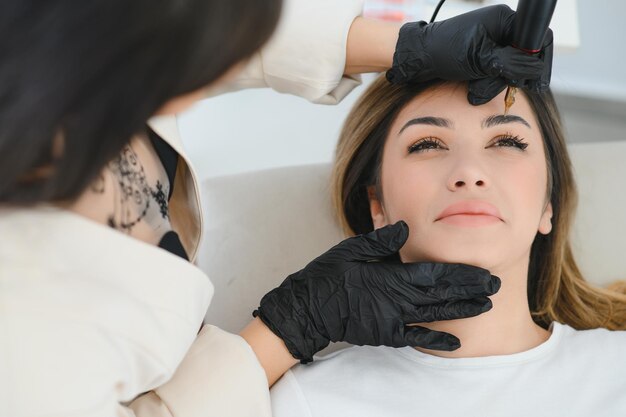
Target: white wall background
x,y
257,129
597,67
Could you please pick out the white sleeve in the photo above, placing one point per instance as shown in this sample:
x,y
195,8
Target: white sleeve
x,y
288,399
220,376
306,56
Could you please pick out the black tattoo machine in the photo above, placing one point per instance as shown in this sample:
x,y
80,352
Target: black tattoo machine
x,y
532,19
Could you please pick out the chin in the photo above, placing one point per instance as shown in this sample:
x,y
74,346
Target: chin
x,y
483,256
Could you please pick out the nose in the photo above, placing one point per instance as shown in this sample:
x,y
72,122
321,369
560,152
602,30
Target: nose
x,y
468,176
460,183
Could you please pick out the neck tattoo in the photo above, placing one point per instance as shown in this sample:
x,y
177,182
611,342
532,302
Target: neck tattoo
x,y
133,194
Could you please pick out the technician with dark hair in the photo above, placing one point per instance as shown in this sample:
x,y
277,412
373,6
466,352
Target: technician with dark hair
x,y
99,210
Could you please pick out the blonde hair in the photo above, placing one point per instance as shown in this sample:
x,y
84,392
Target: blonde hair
x,y
557,291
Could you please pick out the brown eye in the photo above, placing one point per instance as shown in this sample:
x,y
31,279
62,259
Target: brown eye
x,y
511,141
426,144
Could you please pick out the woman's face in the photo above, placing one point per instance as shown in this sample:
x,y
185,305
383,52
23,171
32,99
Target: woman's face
x,y
470,182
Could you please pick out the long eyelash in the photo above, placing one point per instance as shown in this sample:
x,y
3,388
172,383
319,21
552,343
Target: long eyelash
x,y
510,140
426,144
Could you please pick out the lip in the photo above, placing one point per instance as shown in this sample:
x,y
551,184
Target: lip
x,y
470,213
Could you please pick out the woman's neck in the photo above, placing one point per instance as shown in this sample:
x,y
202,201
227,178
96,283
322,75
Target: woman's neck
x,y
505,329
130,194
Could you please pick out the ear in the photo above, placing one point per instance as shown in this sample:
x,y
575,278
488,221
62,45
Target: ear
x,y
377,211
545,223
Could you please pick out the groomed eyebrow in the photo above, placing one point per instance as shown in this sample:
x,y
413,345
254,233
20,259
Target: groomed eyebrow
x,y
491,121
429,120
500,119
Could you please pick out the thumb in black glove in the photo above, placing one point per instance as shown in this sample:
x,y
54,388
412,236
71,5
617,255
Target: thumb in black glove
x,y
473,46
347,294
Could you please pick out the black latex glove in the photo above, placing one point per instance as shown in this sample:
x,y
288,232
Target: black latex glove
x,y
347,295
473,46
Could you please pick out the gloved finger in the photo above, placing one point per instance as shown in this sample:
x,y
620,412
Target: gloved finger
x,y
450,275
483,90
373,245
430,339
436,282
431,274
543,82
448,311
465,292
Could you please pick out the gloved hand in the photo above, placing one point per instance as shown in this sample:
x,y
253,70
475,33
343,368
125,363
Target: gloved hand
x,y
473,46
348,294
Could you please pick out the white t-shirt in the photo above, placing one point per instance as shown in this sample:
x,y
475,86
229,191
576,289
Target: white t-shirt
x,y
574,373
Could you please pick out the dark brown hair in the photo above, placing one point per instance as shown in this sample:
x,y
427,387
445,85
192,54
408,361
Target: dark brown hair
x,y
79,78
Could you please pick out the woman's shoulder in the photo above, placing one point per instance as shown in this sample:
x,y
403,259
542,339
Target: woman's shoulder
x,y
82,350
57,366
88,312
346,365
353,355
339,379
600,343
599,334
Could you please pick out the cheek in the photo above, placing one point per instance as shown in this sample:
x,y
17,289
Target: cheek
x,y
527,192
407,190
523,189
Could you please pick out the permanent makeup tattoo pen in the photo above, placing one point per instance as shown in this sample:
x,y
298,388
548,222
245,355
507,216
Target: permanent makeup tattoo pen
x,y
532,20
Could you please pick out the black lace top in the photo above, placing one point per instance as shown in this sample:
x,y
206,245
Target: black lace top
x,y
169,158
